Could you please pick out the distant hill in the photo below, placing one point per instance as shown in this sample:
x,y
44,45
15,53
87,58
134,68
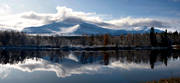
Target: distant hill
x,y
58,28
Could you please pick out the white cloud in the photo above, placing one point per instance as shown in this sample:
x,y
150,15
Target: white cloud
x,y
63,14
29,19
133,23
68,15
4,9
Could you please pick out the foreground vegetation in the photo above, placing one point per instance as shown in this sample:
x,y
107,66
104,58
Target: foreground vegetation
x,y
170,80
164,39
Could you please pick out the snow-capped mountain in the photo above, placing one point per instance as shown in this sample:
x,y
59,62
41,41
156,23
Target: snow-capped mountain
x,y
80,29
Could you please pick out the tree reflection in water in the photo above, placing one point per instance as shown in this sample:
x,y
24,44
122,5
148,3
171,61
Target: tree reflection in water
x,y
86,57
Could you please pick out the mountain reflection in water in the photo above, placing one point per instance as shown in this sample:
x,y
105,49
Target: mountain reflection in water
x,y
66,64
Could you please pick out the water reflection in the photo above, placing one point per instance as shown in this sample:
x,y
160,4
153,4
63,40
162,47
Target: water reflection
x,y
66,64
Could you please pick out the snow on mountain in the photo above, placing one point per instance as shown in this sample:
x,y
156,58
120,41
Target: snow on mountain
x,y
58,28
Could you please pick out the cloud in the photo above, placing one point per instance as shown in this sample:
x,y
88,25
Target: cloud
x,y
63,14
65,30
67,15
4,9
43,18
131,23
31,18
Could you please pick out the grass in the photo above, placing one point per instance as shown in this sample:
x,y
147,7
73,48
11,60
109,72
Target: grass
x,y
169,80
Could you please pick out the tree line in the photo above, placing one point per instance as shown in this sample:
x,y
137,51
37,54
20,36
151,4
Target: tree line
x,y
164,38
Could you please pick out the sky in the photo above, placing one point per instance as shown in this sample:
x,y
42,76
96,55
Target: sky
x,y
119,13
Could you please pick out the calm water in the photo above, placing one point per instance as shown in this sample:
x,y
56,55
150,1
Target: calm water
x,y
87,67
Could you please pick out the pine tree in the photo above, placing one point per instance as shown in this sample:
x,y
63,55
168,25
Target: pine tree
x,y
153,37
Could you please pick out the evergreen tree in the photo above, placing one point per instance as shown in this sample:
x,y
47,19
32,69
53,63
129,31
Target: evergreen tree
x,y
164,39
153,37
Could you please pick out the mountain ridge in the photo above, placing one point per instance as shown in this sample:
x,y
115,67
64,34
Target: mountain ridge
x,y
80,29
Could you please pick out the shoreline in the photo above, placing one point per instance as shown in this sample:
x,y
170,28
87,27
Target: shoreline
x,y
83,48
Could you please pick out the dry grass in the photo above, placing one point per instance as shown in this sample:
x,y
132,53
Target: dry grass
x,y
170,80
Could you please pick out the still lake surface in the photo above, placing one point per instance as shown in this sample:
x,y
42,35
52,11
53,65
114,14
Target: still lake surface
x,y
87,66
